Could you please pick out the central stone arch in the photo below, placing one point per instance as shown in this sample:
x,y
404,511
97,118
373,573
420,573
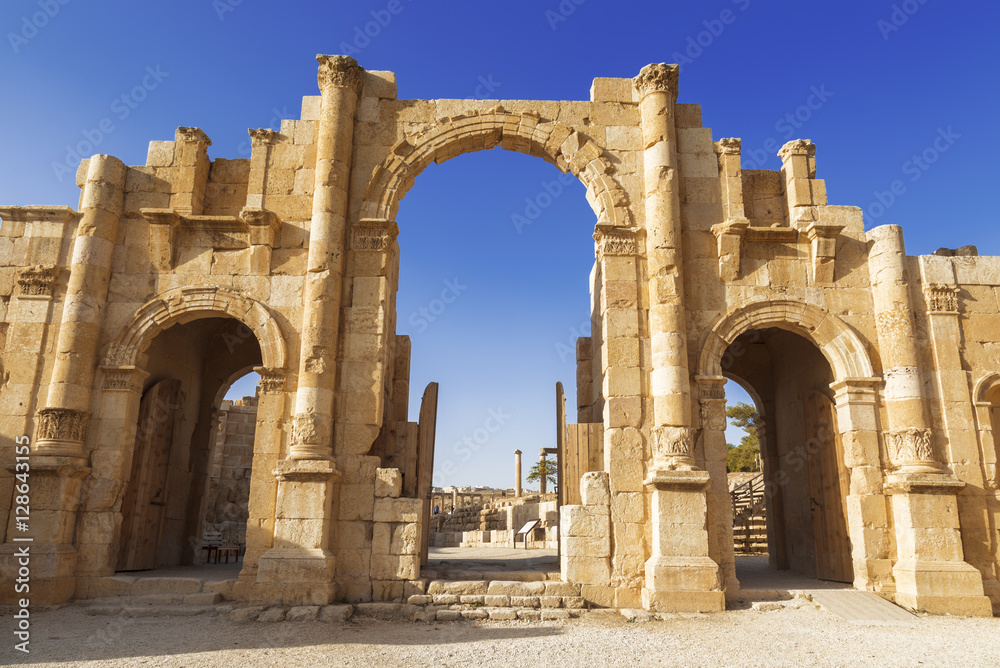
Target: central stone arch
x,y
841,346
526,132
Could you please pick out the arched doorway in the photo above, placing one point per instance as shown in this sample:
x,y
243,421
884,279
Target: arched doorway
x,y
163,507
806,482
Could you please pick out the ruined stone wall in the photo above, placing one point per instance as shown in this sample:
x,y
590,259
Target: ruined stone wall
x,y
232,458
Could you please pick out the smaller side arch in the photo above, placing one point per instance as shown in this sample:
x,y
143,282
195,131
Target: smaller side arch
x,y
184,304
984,385
839,343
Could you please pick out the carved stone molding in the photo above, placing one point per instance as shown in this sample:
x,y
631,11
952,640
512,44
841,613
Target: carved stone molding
x,y
262,136
192,134
373,235
711,388
124,378
729,243
341,72
942,298
673,448
823,242
306,471
797,147
271,380
911,449
263,225
615,240
656,78
729,146
62,426
37,280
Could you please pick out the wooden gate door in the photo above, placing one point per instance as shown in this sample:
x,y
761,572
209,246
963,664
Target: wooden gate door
x,y
829,483
145,498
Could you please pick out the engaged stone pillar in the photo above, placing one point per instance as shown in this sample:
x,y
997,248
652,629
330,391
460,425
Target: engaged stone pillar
x,y
517,473
301,565
668,381
930,571
543,479
62,424
340,81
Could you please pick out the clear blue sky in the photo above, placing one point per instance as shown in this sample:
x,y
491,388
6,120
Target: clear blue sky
x,y
881,94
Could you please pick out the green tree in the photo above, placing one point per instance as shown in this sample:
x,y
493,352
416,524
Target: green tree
x,y
746,455
544,467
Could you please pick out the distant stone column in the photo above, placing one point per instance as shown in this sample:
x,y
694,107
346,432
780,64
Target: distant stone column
x,y
340,82
542,486
517,473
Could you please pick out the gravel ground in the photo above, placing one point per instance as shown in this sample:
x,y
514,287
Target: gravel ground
x,y
792,636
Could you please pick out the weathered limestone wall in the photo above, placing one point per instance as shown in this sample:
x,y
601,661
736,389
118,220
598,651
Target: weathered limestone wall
x,y
227,505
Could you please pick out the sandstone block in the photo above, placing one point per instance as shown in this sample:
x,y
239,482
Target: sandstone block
x,y
388,483
302,613
335,613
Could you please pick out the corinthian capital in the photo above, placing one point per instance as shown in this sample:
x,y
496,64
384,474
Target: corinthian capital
x,y
340,71
657,77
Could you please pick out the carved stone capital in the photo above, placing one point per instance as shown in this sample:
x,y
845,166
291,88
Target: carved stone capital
x,y
942,298
711,388
262,136
673,448
373,234
911,450
797,147
37,280
271,380
340,72
729,146
62,431
617,240
657,78
264,226
196,135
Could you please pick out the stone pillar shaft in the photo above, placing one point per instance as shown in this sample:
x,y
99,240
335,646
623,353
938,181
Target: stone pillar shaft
x,y
669,384
62,425
517,473
340,81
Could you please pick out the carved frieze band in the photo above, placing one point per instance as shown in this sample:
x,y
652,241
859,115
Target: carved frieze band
x,y
656,78
37,280
615,240
908,447
63,424
942,298
373,235
271,380
340,71
124,378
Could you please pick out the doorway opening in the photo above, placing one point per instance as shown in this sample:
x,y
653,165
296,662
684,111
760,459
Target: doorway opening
x,y
805,481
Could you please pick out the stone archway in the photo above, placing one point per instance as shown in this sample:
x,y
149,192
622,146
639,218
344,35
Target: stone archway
x,y
526,132
855,401
124,372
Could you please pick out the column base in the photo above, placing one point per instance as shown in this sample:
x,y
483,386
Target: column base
x,y
941,588
304,575
682,584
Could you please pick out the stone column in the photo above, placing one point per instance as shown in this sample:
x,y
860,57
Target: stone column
x,y
62,424
300,568
543,479
517,473
930,571
340,81
668,381
680,575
